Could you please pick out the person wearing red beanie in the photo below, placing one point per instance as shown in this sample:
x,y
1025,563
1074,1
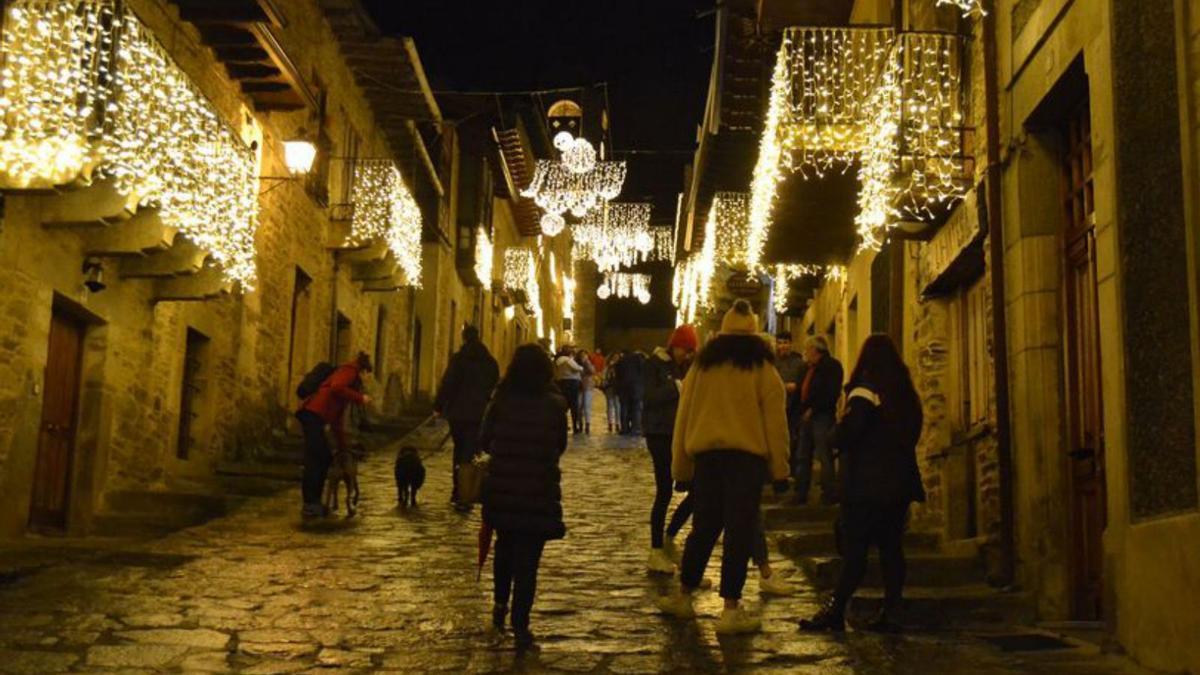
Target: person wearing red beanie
x,y
664,374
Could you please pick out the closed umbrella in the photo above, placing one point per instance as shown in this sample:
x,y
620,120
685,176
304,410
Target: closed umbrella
x,y
485,545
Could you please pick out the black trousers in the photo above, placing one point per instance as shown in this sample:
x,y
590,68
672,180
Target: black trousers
x,y
570,390
727,490
631,412
514,572
660,454
317,457
684,511
465,436
865,525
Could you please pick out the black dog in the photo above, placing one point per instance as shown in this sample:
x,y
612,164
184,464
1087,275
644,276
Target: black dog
x,y
410,475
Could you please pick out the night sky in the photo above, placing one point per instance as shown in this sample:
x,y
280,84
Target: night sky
x,y
655,56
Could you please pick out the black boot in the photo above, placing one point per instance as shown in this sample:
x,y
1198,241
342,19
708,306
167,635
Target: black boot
x,y
884,620
830,618
498,614
524,640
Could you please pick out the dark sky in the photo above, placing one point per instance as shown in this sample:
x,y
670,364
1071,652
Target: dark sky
x,y
654,54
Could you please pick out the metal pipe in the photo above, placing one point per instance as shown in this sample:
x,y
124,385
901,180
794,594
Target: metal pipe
x,y
991,87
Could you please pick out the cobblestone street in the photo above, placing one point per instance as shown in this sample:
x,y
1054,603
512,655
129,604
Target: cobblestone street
x,y
393,590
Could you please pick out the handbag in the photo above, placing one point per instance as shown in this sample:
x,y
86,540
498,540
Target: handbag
x,y
470,479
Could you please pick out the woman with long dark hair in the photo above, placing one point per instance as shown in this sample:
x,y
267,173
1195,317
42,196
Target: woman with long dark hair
x,y
877,438
730,434
525,431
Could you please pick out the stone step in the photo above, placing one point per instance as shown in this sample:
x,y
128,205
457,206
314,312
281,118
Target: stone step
x,y
933,570
786,517
956,606
152,513
819,540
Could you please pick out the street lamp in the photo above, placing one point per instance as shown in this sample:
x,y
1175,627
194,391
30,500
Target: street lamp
x,y
298,154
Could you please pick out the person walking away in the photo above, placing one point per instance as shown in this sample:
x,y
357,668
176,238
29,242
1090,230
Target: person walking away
x,y
730,435
630,374
819,393
612,401
792,370
877,438
587,389
665,370
568,375
464,393
525,431
327,407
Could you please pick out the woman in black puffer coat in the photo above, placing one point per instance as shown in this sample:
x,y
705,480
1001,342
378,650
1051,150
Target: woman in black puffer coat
x,y
525,431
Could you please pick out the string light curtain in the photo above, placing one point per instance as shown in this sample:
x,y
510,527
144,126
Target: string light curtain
x,y
385,209
617,235
625,285
664,244
520,274
485,254
87,90
968,7
890,102
692,286
558,190
730,226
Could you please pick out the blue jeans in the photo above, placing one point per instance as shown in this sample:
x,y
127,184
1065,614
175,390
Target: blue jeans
x,y
613,408
815,436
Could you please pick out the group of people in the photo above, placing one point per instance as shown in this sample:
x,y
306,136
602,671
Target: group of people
x,y
721,423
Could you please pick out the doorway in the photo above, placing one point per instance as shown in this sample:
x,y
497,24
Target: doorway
x,y
59,424
1085,423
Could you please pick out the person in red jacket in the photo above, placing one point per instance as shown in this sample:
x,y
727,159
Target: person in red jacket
x,y
328,407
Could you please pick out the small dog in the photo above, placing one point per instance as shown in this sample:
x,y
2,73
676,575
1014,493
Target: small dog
x,y
344,469
410,475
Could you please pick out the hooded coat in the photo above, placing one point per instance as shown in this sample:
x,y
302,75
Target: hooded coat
x,y
525,436
662,386
878,454
467,384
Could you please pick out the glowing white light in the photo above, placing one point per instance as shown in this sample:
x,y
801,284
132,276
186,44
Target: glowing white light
x,y
298,155
968,7
385,209
580,157
552,224
563,140
485,254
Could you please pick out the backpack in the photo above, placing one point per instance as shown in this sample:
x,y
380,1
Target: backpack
x,y
314,379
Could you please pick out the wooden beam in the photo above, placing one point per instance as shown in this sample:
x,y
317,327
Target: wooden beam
x,y
285,64
142,234
98,205
415,59
225,35
240,12
184,258
240,71
207,284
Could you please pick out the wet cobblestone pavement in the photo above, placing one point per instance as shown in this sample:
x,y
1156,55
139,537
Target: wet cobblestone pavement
x,y
391,590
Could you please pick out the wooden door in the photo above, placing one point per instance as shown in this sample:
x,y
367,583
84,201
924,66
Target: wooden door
x,y
56,440
1085,423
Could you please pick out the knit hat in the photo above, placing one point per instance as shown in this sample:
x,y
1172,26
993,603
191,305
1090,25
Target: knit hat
x,y
740,319
685,338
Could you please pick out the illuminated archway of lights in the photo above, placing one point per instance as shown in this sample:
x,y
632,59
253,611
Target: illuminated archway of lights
x,y
385,209
892,102
625,285
86,89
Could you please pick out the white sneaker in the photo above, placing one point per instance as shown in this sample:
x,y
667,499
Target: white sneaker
x,y
775,585
736,621
673,552
659,563
678,604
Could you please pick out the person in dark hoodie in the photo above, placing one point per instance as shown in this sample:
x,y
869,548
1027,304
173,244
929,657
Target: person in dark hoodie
x,y
664,374
466,388
877,437
525,431
630,389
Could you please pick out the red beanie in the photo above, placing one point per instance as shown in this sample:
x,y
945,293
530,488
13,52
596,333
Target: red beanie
x,y
684,337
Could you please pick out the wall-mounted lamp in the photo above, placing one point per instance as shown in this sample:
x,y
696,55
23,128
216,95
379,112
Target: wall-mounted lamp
x,y
93,275
298,154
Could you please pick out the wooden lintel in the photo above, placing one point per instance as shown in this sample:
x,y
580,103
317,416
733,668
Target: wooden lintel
x,y
97,205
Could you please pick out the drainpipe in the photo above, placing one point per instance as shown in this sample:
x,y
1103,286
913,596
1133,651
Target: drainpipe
x,y
991,87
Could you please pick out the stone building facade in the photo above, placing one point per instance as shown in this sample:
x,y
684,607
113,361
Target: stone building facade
x,y
149,383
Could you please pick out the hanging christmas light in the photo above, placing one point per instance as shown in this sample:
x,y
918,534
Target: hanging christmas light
x,y
892,103
385,209
968,7
579,157
664,244
552,224
555,189
87,89
485,254
520,274
617,235
731,222
625,285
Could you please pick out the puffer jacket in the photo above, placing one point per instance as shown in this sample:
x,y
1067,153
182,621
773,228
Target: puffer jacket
x,y
467,384
662,385
525,436
878,456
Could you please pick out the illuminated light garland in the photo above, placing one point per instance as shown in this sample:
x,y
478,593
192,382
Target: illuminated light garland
x,y
87,87
385,209
552,224
664,244
731,223
625,285
580,156
783,276
555,189
692,287
967,7
617,235
520,274
892,103
485,258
